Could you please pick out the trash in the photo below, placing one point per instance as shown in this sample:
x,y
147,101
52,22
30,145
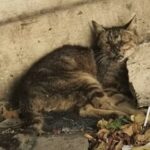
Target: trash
x,y
147,115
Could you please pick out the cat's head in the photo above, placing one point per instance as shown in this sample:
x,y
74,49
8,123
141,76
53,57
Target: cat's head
x,y
118,41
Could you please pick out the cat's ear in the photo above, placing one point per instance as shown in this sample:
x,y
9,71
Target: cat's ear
x,y
97,28
131,24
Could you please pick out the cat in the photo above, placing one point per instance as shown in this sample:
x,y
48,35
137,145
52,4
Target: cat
x,y
77,80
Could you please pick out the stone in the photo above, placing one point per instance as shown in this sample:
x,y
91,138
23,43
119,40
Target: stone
x,y
139,73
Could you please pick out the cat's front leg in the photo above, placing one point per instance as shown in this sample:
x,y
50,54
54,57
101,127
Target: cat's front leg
x,y
38,123
90,111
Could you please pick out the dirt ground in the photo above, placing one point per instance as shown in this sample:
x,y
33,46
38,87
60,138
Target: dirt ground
x,y
21,140
63,142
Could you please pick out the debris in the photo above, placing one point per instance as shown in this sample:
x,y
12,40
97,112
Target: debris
x,y
147,115
120,134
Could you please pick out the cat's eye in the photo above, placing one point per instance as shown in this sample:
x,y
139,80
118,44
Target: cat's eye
x,y
126,37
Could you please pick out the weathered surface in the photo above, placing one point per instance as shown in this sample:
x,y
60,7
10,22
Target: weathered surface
x,y
18,139
31,29
139,73
66,142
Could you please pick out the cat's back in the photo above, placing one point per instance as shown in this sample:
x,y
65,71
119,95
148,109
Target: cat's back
x,y
67,58
61,64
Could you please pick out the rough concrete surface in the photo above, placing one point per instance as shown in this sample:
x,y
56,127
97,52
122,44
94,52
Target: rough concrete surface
x,y
73,142
30,29
139,73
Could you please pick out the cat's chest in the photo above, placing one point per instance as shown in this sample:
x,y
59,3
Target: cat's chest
x,y
110,73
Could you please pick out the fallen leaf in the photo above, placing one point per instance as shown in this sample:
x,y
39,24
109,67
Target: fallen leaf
x,y
128,129
147,135
139,118
139,139
101,146
102,123
119,145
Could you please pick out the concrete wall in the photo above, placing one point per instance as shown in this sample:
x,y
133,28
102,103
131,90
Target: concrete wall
x,y
30,29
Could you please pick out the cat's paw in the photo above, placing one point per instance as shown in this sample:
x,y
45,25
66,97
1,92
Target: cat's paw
x,y
38,127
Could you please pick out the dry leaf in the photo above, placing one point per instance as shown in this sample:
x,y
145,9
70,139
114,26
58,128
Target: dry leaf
x,y
128,129
145,147
115,133
119,145
102,123
139,118
140,139
137,128
101,146
147,135
102,134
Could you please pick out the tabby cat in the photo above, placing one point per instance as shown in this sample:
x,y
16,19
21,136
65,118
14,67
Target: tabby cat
x,y
75,79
